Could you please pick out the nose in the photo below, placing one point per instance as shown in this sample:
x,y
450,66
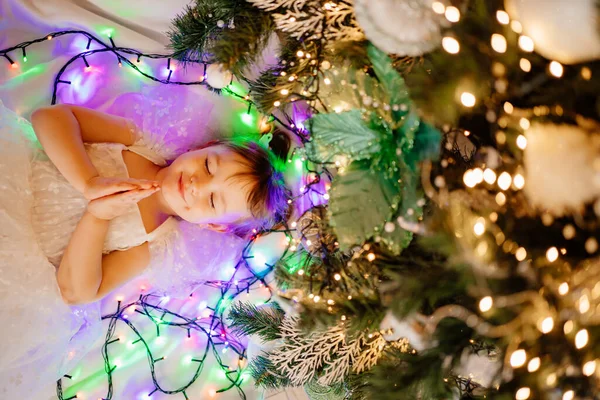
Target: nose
x,y
197,186
194,185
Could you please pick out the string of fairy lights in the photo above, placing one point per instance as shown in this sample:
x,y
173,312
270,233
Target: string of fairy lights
x,y
511,127
213,328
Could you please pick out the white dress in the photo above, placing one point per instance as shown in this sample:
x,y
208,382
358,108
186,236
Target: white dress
x,y
41,338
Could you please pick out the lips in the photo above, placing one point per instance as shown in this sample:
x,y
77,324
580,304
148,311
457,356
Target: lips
x,y
181,188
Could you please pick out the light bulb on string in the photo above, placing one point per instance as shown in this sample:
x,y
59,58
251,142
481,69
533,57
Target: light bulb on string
x,y
479,227
581,339
546,325
504,180
525,64
584,304
467,99
523,393
569,395
552,254
452,14
589,368
489,176
518,181
556,69
486,304
502,17
438,7
526,43
586,73
10,61
534,364
518,358
499,43
451,45
469,179
563,288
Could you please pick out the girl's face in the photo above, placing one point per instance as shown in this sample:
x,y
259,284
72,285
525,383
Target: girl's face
x,y
199,186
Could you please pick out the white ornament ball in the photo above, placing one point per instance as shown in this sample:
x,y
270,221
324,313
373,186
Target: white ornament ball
x,y
405,328
400,27
562,30
481,368
217,76
561,167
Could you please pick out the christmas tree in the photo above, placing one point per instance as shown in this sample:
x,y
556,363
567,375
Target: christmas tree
x,y
457,253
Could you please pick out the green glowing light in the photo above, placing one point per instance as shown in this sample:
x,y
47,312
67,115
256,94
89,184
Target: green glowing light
x,y
25,59
237,88
247,118
299,163
225,303
108,32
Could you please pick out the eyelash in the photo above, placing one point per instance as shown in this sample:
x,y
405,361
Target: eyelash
x,y
206,165
212,202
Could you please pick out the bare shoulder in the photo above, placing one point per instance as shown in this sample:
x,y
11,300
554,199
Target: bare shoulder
x,y
119,267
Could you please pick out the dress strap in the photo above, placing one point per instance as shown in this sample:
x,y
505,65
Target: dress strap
x,y
141,147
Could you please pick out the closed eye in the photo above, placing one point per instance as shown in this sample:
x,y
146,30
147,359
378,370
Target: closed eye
x,y
212,195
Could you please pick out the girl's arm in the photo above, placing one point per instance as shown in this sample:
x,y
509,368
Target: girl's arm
x,y
62,130
85,274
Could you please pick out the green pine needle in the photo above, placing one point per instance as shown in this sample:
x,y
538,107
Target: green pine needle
x,y
247,319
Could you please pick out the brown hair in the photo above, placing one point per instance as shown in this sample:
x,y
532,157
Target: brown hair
x,y
268,196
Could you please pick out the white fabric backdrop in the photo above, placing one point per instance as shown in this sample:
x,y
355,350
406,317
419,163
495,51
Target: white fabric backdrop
x,y
137,24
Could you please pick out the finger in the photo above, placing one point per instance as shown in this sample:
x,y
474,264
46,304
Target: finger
x,y
113,189
139,194
143,183
126,195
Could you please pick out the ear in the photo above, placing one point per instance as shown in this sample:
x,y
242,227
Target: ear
x,y
217,227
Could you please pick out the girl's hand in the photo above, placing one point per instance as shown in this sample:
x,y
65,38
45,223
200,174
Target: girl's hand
x,y
109,207
99,186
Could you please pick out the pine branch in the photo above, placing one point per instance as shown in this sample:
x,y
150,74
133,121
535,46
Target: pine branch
x,y
230,32
266,89
194,30
247,319
265,374
243,46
